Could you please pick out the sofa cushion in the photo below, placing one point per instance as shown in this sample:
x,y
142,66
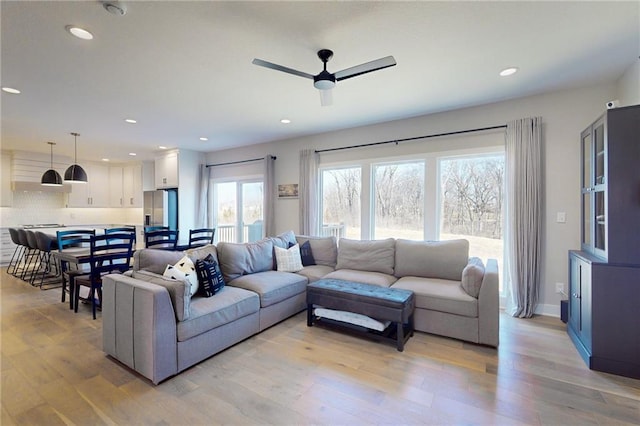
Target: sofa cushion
x,y
367,255
179,291
154,260
315,272
431,259
272,286
325,249
288,260
202,252
207,313
209,276
472,276
184,269
440,295
241,259
366,277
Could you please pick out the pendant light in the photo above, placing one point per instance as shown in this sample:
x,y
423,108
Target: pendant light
x,y
51,177
75,173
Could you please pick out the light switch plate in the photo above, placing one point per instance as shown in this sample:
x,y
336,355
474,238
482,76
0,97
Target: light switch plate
x,y
561,217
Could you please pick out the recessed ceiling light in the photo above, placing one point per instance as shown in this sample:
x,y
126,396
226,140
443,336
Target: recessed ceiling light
x,y
11,90
285,121
105,159
162,147
508,71
79,32
130,120
204,139
133,154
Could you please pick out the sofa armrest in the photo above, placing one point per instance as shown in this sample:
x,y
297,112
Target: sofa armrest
x,y
139,326
489,306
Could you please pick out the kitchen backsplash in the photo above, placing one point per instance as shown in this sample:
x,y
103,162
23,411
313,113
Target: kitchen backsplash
x,y
34,207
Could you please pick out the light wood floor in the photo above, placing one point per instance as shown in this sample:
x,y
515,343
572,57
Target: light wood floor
x,y
54,372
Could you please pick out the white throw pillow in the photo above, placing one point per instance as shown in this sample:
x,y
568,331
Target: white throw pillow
x,y
288,260
183,269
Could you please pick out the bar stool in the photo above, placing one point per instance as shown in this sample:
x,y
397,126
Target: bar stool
x,y
46,243
33,261
17,253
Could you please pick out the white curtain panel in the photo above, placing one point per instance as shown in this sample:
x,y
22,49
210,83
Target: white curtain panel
x,y
269,195
523,139
308,192
203,201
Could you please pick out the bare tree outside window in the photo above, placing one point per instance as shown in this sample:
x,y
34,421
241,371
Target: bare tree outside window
x,y
471,203
399,200
341,202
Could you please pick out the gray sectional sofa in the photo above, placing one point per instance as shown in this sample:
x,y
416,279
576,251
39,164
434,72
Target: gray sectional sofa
x,y
154,326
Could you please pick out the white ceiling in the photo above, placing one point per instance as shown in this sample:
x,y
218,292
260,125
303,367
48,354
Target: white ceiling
x,y
183,69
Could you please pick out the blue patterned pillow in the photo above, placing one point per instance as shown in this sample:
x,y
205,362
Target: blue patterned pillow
x,y
306,254
209,276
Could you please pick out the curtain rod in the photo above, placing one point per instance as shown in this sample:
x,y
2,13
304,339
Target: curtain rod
x,y
238,162
396,141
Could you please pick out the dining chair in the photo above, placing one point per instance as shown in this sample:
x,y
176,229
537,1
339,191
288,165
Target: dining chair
x,y
155,228
164,239
123,229
72,240
108,254
201,237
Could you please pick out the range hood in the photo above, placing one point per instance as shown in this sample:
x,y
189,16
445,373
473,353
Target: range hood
x,y
27,169
17,186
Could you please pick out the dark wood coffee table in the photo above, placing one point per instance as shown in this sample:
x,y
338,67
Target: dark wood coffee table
x,y
380,303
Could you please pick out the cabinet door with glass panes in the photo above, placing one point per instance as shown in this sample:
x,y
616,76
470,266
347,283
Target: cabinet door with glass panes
x,y
594,189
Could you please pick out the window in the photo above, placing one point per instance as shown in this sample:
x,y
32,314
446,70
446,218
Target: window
x,y
398,197
341,202
238,211
471,204
437,197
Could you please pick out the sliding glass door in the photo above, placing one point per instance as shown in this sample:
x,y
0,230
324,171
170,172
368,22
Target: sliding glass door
x,y
238,210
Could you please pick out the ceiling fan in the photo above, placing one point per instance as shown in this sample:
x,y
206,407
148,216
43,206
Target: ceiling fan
x,y
325,81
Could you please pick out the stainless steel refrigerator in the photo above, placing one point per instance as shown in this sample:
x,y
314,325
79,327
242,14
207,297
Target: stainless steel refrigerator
x,y
160,208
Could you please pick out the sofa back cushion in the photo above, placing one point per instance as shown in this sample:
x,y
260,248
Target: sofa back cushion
x,y
154,260
246,258
367,255
323,249
200,253
431,259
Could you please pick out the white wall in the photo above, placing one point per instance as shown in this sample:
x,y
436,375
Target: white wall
x,y
565,114
628,86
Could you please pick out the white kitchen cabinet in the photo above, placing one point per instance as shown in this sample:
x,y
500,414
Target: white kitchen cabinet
x,y
116,198
132,185
166,170
94,193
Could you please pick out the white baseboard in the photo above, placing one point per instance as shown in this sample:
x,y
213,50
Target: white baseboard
x,y
548,310
541,309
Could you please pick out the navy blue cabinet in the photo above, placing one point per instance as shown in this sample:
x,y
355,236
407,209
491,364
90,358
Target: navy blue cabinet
x,y
604,277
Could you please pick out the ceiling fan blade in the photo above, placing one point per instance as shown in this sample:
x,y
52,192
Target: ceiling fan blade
x,y
326,97
378,64
277,67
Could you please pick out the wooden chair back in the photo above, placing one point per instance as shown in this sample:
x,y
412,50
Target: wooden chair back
x,y
201,237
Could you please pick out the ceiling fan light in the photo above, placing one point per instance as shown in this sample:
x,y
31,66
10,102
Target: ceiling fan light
x,y
75,174
51,178
324,84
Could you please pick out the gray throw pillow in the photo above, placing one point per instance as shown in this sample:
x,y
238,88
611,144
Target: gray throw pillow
x,y
179,291
472,276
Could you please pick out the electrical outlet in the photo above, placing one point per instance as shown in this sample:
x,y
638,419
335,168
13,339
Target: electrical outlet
x,y
559,288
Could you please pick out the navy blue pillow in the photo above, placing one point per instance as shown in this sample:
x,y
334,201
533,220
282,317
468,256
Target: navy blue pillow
x,y
306,254
209,276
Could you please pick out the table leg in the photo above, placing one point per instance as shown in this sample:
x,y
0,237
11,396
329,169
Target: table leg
x,y
310,315
400,335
